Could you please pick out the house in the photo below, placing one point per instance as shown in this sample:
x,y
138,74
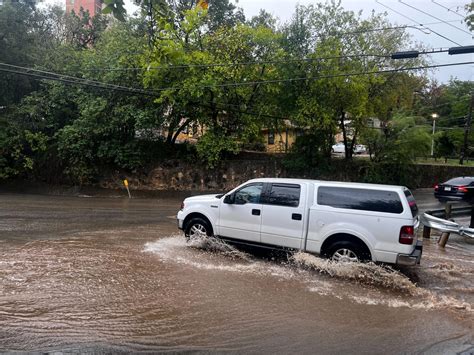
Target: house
x,y
280,140
93,6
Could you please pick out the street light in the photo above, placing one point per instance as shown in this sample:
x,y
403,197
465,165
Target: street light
x,y
434,116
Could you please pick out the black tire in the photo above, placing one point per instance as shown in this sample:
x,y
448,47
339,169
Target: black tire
x,y
345,251
197,227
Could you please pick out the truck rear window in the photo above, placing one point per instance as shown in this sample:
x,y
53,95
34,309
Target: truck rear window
x,y
360,199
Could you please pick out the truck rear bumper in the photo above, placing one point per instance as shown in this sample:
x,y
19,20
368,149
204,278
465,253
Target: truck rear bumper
x,y
413,258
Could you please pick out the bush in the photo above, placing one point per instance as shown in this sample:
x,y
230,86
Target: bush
x,y
212,145
307,155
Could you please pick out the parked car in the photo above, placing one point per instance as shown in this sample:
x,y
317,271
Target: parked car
x,y
456,189
360,149
341,221
338,148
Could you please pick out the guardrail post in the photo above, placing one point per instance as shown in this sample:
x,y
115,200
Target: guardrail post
x,y
443,239
447,211
471,225
426,232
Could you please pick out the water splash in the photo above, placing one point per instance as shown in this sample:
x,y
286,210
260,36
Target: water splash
x,y
426,301
388,287
216,245
369,274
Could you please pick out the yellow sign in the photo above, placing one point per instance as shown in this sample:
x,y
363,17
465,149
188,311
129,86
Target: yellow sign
x,y
125,182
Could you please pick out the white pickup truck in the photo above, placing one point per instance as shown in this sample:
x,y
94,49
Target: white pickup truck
x,y
342,221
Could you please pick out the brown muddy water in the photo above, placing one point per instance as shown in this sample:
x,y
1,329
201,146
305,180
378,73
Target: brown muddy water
x,y
87,274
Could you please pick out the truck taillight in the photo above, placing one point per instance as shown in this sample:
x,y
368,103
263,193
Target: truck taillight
x,y
182,206
407,235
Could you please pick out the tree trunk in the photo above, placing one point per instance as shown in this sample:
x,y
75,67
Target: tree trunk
x,y
179,130
348,151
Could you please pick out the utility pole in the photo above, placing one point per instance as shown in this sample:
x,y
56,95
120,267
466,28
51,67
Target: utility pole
x,y
467,128
434,116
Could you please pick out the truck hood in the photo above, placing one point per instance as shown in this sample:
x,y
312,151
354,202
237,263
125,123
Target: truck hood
x,y
203,198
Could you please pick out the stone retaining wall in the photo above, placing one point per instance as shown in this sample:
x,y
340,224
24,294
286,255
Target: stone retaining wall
x,y
183,176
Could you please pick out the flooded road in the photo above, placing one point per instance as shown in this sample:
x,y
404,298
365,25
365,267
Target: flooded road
x,y
106,274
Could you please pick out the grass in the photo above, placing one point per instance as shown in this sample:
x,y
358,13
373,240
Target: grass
x,y
442,161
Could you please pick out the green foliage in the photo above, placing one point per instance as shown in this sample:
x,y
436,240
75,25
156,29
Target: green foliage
x,y
308,155
19,150
115,7
400,142
24,40
213,145
391,173
330,100
448,143
179,53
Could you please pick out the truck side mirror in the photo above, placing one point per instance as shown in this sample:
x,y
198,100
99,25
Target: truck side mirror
x,y
229,199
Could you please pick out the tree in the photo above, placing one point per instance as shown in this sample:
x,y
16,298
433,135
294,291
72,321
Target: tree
x,y
329,99
188,58
23,42
82,30
469,20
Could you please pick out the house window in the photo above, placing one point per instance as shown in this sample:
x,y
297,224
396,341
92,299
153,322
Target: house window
x,y
271,137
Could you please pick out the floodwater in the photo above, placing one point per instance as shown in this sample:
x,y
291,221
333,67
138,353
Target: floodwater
x,y
109,274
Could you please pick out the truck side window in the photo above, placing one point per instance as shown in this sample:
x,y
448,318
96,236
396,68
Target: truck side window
x,y
283,195
360,199
249,194
411,203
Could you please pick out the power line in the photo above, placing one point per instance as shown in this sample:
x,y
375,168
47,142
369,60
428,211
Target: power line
x,y
447,8
414,21
235,84
69,79
77,82
450,119
274,81
437,18
441,105
416,27
282,61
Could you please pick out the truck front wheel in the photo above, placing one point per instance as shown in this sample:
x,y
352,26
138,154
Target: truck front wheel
x,y
197,228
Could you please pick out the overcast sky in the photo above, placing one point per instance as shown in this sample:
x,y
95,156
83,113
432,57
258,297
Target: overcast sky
x,y
283,9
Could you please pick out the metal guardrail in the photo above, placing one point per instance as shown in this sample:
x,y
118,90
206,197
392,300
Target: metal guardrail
x,y
432,219
446,226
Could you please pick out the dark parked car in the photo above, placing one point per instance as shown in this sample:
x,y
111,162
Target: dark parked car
x,y
456,189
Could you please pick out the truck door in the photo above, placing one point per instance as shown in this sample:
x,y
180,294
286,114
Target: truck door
x,y
242,218
283,214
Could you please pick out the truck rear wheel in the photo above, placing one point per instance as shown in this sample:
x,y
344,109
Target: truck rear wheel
x,y
346,252
197,228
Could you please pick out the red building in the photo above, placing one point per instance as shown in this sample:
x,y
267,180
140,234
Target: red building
x,y
93,6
